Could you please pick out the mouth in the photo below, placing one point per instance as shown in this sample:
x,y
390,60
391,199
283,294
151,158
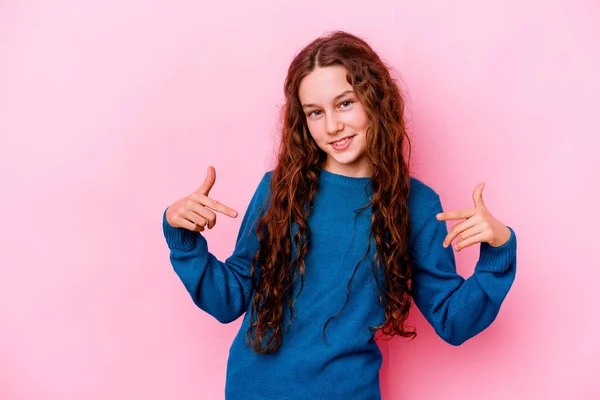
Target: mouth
x,y
342,144
341,141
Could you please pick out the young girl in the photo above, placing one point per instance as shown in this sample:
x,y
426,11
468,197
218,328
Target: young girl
x,y
337,241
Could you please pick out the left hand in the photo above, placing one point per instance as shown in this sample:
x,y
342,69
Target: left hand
x,y
479,225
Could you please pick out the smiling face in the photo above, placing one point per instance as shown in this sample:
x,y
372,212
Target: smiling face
x,y
337,121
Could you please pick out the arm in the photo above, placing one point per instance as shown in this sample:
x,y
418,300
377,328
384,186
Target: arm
x,y
222,289
458,309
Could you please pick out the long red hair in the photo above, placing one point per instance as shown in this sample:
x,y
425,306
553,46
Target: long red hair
x,y
294,185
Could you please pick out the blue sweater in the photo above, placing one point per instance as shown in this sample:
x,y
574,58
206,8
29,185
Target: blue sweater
x,y
345,363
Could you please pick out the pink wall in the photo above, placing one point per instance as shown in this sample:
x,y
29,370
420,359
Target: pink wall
x,y
108,113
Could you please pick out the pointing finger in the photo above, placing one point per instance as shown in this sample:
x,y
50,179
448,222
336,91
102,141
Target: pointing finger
x,y
216,206
453,215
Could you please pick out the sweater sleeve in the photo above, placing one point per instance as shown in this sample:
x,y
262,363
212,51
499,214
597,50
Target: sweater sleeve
x,y
222,289
458,308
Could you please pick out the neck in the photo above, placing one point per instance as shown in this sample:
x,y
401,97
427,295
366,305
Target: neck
x,y
361,171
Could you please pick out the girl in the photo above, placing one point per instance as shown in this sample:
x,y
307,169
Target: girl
x,y
337,241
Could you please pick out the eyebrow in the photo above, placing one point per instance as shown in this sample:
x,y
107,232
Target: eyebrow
x,y
334,99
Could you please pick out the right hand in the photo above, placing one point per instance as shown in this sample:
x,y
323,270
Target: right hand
x,y
195,212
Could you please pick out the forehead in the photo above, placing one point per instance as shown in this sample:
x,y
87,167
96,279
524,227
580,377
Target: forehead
x,y
323,84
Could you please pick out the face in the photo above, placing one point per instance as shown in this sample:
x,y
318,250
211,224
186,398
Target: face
x,y
336,120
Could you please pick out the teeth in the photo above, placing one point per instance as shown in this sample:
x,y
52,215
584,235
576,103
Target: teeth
x,y
339,142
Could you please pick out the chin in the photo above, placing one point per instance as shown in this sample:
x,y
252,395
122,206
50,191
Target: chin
x,y
347,160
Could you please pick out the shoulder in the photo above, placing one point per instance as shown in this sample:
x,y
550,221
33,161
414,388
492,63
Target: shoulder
x,y
265,183
261,194
260,199
268,175
423,200
421,196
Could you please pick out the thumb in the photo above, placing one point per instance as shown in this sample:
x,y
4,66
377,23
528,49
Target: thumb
x,y
478,195
211,176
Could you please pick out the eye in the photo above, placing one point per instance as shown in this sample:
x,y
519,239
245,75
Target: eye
x,y
346,104
312,113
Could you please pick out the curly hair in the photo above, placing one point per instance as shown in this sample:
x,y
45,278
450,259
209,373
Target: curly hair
x,y
295,180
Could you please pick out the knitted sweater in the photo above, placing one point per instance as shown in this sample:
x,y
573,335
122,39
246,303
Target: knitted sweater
x,y
342,361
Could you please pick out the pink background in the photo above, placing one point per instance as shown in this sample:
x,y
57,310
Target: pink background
x,y
110,112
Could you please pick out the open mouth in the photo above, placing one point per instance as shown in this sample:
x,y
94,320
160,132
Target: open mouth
x,y
343,143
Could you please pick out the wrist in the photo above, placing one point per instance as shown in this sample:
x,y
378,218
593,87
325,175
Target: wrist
x,y
502,238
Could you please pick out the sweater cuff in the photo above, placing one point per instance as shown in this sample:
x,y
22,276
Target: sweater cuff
x,y
498,259
178,238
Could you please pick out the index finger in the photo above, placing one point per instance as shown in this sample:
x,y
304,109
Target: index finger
x,y
453,215
218,207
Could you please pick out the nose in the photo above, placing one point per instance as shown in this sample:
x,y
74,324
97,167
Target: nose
x,y
334,125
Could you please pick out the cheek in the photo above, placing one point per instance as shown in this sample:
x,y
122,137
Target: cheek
x,y
364,120
315,129
359,119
